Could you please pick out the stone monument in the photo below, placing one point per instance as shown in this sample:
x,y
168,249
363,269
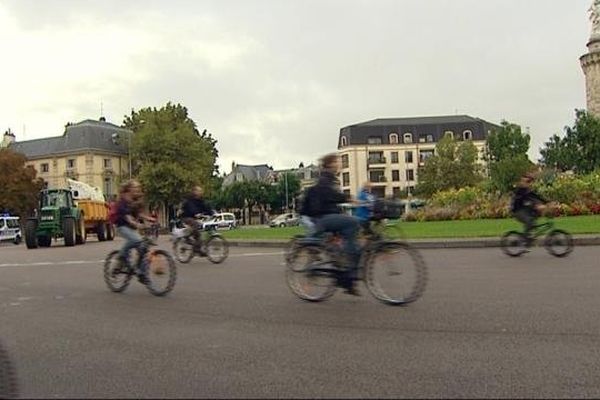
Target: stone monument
x,y
591,62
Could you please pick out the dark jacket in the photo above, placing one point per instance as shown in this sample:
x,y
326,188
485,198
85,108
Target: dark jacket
x,y
124,209
193,206
324,197
525,199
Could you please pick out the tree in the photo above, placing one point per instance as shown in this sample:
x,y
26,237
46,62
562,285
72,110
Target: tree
x,y
293,190
453,166
20,186
170,154
506,154
579,149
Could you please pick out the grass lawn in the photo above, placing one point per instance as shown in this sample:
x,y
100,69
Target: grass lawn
x,y
437,229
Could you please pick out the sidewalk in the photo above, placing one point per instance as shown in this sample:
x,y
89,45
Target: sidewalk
x,y
442,243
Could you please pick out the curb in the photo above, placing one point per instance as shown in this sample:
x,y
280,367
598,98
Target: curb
x,y
424,244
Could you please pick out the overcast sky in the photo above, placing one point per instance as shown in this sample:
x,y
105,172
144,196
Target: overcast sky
x,y
275,80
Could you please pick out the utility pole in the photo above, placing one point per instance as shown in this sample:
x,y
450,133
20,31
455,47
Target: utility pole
x,y
287,206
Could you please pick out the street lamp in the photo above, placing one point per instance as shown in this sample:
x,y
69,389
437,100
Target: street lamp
x,y
115,140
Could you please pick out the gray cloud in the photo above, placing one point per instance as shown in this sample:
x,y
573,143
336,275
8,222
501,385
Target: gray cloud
x,y
276,80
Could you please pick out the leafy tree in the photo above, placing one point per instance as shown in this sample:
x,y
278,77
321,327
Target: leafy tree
x,y
170,154
20,187
453,166
293,190
579,149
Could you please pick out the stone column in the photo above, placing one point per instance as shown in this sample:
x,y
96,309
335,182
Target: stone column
x,y
591,68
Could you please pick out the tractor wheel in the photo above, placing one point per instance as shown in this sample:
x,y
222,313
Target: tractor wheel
x,y
110,232
30,235
81,235
101,231
45,241
69,231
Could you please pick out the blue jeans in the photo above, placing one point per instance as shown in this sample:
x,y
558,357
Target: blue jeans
x,y
347,227
132,240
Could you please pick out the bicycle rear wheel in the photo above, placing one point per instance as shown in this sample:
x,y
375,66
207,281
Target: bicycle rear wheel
x,y
217,249
559,243
513,244
183,248
162,272
116,276
310,275
8,377
395,273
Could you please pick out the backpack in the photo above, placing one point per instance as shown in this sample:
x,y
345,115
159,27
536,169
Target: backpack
x,y
310,203
113,215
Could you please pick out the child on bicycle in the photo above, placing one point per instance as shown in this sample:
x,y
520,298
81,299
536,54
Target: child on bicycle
x,y
129,214
527,205
194,207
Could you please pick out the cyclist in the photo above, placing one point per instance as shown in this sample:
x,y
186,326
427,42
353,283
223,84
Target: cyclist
x,y
128,220
365,201
322,205
527,205
193,208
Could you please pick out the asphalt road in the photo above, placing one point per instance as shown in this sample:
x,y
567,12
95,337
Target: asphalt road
x,y
487,326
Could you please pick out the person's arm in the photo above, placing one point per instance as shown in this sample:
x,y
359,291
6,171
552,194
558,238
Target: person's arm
x,y
538,198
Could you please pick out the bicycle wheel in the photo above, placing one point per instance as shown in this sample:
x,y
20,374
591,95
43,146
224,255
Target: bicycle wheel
x,y
162,272
116,276
513,244
183,248
217,249
8,378
395,273
290,248
559,243
311,276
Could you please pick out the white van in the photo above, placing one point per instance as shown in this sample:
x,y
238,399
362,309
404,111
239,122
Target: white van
x,y
10,229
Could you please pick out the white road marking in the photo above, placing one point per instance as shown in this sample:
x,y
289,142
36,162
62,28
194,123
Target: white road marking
x,y
256,254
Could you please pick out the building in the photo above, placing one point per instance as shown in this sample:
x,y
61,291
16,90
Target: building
x,y
388,152
590,63
94,152
248,173
306,174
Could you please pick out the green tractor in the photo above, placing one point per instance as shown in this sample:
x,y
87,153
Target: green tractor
x,y
58,216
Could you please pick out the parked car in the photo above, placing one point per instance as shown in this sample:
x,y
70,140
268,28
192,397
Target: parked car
x,y
283,220
220,221
10,228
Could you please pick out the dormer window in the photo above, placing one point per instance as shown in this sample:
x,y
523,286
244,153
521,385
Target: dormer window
x,y
393,138
449,134
408,138
467,135
344,141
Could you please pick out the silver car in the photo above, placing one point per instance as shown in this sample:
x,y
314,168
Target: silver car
x,y
283,220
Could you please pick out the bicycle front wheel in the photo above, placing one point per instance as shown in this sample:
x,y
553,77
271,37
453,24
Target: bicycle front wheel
x,y
116,275
513,244
559,243
310,275
8,377
183,249
395,273
217,249
162,272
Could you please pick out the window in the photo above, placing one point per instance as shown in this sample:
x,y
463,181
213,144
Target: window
x,y
395,176
108,187
346,179
394,157
467,135
425,154
45,167
410,175
347,192
429,138
421,140
408,138
345,162
344,141
396,192
107,163
377,176
376,157
449,134
70,163
393,138
374,140
408,157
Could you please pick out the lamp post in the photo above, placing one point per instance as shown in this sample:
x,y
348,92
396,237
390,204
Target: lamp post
x,y
287,206
115,140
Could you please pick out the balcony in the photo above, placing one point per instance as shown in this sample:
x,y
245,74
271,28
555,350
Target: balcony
x,y
376,161
378,180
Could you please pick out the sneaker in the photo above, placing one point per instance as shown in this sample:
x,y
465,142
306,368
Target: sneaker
x,y
352,290
143,278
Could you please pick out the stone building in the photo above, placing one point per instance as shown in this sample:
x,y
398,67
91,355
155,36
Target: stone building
x,y
94,152
388,152
590,63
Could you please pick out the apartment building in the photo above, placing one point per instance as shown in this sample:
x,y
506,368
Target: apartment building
x,y
388,152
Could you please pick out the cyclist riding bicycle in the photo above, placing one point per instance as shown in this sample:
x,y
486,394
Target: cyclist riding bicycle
x,y
193,208
321,204
128,220
365,202
527,205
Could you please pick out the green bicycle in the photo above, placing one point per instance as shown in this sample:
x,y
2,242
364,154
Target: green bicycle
x,y
557,242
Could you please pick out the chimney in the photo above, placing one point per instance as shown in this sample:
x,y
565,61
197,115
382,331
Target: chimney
x,y
232,166
8,138
102,119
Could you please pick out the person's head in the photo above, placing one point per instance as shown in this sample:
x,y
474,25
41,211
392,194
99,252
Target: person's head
x,y
330,163
527,179
197,192
367,186
131,190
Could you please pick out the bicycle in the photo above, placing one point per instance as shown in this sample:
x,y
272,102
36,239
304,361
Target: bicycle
x,y
317,266
557,242
161,272
215,247
9,388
